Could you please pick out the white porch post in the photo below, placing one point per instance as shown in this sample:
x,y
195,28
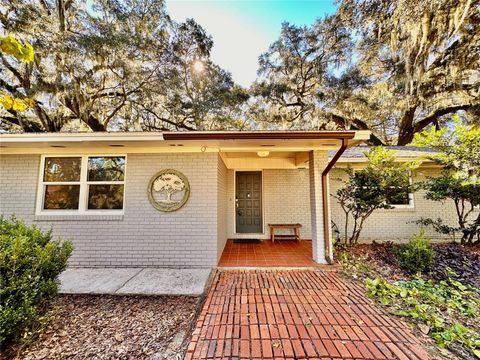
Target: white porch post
x,y
318,160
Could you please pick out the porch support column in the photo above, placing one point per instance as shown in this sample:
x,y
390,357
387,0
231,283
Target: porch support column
x,y
318,161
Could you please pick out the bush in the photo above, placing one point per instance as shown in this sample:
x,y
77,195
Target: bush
x,y
417,255
30,263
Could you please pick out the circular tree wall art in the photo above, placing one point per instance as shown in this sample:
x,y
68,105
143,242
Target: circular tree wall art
x,y
168,190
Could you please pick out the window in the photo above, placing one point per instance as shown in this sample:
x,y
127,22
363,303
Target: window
x,y
398,198
395,196
81,184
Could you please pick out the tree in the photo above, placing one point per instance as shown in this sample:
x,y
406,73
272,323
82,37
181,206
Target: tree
x,y
458,152
289,91
109,65
21,53
373,188
394,67
199,99
418,63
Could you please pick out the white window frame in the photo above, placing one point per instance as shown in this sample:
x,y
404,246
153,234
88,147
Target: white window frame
x,y
84,184
411,198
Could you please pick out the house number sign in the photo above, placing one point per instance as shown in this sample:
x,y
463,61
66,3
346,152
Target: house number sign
x,y
168,190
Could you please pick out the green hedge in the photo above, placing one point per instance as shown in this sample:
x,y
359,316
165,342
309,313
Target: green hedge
x,y
30,263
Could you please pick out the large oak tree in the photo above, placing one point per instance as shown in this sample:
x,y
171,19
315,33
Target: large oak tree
x,y
421,61
403,65
113,65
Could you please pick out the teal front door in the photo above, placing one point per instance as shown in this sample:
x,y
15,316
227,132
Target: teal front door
x,y
248,202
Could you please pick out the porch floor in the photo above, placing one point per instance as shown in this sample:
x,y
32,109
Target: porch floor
x,y
281,253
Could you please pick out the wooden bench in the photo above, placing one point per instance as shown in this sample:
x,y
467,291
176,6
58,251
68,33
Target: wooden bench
x,y
294,227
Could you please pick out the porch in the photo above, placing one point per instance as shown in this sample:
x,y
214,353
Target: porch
x,y
285,189
282,253
285,253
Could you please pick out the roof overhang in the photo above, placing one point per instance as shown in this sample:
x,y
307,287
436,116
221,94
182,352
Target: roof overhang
x,y
195,141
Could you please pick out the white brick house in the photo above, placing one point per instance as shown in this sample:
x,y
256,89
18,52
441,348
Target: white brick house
x,y
62,181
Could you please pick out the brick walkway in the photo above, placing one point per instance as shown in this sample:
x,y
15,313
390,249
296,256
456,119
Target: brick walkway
x,y
295,314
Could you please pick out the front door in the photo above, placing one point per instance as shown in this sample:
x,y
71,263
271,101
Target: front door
x,y
248,202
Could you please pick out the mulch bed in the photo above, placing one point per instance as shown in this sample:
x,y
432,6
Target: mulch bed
x,y
463,260
114,327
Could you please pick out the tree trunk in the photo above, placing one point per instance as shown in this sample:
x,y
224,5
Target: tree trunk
x,y
345,235
94,124
406,130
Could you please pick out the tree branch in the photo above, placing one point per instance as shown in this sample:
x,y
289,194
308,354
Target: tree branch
x,y
419,126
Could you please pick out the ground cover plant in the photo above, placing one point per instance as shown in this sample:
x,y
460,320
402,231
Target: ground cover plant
x,y
464,263
448,310
443,302
30,262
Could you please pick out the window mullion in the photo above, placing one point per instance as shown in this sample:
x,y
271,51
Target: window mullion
x,y
83,185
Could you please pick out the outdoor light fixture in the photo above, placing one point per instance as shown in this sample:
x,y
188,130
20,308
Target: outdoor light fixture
x,y
263,153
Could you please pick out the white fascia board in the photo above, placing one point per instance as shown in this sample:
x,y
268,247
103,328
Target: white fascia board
x,y
79,137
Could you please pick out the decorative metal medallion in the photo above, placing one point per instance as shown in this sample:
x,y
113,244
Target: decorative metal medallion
x,y
168,190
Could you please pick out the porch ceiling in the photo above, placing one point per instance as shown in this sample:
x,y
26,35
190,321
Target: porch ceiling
x,y
274,160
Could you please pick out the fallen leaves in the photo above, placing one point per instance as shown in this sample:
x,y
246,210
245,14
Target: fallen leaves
x,y
114,327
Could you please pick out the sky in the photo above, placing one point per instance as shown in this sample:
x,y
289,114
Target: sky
x,y
244,29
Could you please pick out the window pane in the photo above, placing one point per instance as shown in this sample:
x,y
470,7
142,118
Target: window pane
x,y
62,169
106,168
105,197
61,197
399,198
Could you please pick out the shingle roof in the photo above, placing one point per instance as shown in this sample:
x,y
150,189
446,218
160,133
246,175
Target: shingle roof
x,y
357,152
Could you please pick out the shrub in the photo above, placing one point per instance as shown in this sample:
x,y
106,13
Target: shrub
x,y
30,263
417,255
372,188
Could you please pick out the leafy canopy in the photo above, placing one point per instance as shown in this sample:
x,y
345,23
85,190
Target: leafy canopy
x,y
109,65
458,151
24,53
11,46
395,67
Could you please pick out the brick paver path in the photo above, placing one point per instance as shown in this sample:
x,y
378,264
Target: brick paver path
x,y
295,314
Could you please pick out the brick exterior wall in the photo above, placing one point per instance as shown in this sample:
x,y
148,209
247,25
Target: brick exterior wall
x,y
141,237
397,224
222,180
195,235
